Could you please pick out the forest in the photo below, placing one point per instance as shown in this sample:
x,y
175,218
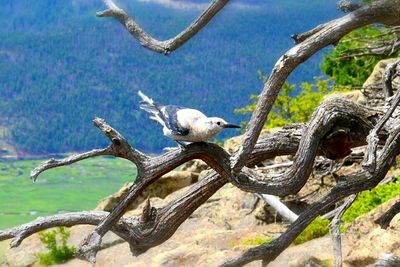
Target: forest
x,y
60,67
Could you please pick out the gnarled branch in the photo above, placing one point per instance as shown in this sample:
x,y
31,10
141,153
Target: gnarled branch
x,y
149,42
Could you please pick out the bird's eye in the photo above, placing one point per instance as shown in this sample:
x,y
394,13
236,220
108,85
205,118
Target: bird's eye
x,y
218,123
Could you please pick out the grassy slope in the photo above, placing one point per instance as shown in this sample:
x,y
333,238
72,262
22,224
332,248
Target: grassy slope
x,y
72,188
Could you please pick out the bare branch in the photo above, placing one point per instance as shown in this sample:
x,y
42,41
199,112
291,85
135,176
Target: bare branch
x,y
153,169
385,219
119,148
167,46
348,185
381,11
335,229
332,112
392,71
19,233
53,163
373,139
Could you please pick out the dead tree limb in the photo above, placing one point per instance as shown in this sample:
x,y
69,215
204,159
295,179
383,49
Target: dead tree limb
x,y
157,225
149,42
385,219
373,139
377,12
335,230
348,185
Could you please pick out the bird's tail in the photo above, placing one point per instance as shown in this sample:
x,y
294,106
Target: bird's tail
x,y
148,105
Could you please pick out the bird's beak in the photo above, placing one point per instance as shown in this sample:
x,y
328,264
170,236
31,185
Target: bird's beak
x,y
228,125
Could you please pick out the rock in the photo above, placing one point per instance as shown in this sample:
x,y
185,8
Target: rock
x,y
373,87
232,144
164,186
366,240
376,77
210,236
196,166
311,253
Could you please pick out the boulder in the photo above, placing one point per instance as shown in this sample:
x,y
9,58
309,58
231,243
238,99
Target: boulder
x,y
164,186
367,241
196,166
373,87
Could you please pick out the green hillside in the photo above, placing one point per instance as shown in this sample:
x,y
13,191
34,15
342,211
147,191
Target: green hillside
x,y
73,188
60,66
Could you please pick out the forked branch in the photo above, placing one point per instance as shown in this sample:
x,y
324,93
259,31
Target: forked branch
x,y
149,42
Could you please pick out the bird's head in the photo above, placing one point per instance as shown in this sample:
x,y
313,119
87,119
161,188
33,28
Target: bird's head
x,y
216,125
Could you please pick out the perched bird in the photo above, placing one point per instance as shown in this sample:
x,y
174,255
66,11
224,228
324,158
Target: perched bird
x,y
183,124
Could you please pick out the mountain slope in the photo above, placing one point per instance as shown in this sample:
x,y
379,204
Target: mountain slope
x,y
60,66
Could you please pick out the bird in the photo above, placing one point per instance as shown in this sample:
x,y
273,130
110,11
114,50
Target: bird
x,y
183,125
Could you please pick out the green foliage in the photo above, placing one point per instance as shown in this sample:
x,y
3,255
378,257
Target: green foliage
x,y
368,200
327,263
319,227
353,71
56,242
252,241
293,109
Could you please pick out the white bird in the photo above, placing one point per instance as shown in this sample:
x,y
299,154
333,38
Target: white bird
x,y
183,124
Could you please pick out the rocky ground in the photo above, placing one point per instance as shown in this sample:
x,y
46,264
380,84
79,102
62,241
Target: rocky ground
x,y
222,228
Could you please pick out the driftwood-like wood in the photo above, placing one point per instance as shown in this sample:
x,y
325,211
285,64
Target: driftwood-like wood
x,y
149,42
335,230
337,125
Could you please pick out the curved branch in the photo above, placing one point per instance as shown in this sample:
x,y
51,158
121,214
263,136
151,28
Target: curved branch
x,y
332,112
381,11
119,147
149,42
53,163
347,185
19,233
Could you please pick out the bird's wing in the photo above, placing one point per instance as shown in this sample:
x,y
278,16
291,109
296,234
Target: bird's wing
x,y
170,114
187,117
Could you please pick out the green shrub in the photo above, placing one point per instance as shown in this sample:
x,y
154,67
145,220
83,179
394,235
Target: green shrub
x,y
368,200
319,227
57,253
293,109
354,71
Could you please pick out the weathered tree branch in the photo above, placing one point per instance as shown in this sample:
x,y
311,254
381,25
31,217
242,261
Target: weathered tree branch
x,y
335,230
336,127
149,42
332,112
373,139
350,184
377,12
386,218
